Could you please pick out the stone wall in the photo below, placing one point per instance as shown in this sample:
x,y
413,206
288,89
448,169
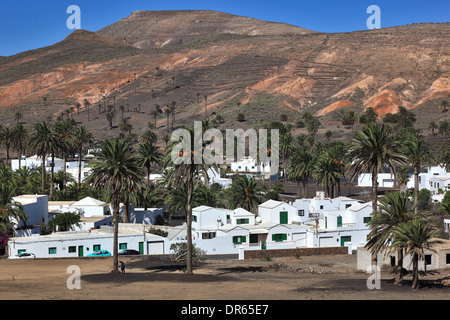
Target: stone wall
x,y
261,254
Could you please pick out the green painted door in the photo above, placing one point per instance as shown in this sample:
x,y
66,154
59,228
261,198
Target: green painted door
x,y
283,217
80,251
141,247
345,239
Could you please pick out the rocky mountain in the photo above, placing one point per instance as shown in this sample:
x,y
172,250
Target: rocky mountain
x,y
240,65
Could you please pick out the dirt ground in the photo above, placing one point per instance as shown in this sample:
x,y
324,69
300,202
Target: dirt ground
x,y
157,278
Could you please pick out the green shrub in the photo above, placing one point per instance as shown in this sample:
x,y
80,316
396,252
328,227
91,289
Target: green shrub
x,y
180,253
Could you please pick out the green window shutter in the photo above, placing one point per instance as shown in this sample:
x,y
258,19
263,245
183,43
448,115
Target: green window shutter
x,y
72,249
122,246
243,239
97,247
194,218
339,221
284,236
283,217
51,250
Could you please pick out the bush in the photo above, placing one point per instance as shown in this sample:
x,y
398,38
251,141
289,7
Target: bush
x,y
180,253
241,117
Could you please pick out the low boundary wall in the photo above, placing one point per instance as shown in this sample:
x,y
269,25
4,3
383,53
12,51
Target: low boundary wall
x,y
261,254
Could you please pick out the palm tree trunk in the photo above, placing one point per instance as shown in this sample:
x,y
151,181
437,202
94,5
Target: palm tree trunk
x,y
416,187
298,188
116,203
190,185
79,170
43,175
415,281
399,275
126,218
64,176
50,197
374,206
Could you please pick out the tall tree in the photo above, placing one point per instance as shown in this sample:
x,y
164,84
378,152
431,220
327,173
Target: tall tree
x,y
82,139
245,193
148,155
115,167
20,135
6,139
417,152
415,236
185,169
371,149
394,210
43,142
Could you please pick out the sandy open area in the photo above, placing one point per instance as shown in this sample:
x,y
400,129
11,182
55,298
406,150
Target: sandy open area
x,y
157,278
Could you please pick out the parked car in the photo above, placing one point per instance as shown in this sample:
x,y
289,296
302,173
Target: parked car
x,y
26,255
101,253
129,252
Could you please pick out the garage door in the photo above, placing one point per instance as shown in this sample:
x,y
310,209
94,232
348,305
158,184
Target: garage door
x,y
326,242
300,239
155,247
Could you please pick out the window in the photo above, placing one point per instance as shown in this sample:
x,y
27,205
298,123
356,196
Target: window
x,y
97,247
367,219
279,237
208,235
72,249
242,221
52,250
347,206
339,221
194,218
122,246
447,258
301,213
239,239
428,259
321,207
21,251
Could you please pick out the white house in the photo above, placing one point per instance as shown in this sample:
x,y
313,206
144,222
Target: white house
x,y
83,243
90,207
278,212
432,178
36,208
36,162
147,216
436,258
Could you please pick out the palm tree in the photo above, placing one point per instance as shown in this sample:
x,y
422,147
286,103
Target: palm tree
x,y
244,193
328,172
371,149
300,168
374,147
172,111
42,142
184,173
148,155
433,126
206,106
403,178
444,104
65,142
417,152
11,212
415,236
115,168
286,148
81,139
394,210
6,139
20,135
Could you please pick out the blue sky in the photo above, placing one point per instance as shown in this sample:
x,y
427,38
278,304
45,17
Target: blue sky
x,y
31,24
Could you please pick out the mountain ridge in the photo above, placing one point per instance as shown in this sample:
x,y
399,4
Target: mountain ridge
x,y
326,74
